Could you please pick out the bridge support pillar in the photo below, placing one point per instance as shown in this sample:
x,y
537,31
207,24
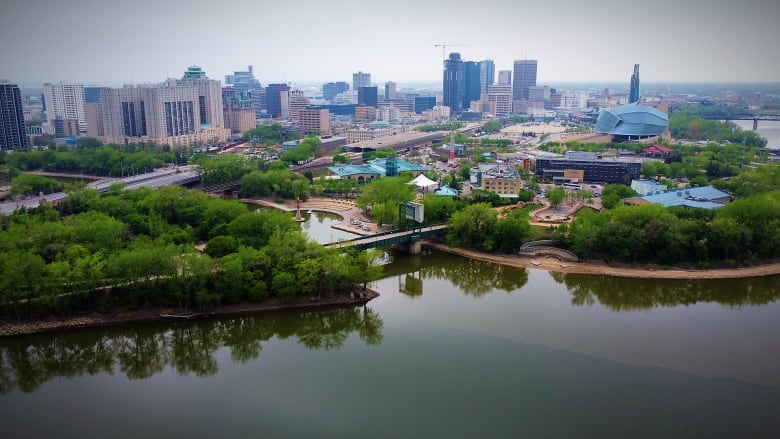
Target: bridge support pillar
x,y
414,248
755,124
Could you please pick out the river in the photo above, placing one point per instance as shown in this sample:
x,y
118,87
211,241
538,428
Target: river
x,y
769,129
452,348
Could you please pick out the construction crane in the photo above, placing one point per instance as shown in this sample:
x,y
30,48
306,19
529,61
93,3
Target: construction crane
x,y
443,46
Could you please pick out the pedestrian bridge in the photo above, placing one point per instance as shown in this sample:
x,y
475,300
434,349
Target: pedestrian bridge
x,y
411,238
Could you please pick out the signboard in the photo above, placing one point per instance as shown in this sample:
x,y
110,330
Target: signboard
x,y
413,211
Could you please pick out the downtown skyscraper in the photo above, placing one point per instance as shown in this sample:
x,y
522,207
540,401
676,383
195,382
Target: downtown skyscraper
x,y
454,84
524,78
12,130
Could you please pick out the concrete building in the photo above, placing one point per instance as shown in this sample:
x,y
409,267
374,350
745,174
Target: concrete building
x,y
12,133
365,113
65,102
298,102
538,93
705,197
331,89
524,78
504,77
501,178
247,87
574,100
500,98
487,75
647,187
587,169
314,121
390,90
360,79
176,112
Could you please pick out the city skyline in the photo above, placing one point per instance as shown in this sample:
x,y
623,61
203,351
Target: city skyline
x,y
308,41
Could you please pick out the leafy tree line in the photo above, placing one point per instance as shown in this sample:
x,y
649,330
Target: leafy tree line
x,y
91,157
137,248
744,231
478,226
689,123
269,134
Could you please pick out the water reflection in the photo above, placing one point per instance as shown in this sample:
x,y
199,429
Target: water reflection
x,y
472,277
626,294
141,351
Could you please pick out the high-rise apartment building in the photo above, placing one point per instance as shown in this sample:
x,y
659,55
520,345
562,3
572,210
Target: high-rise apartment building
x,y
390,92
524,77
633,95
65,102
331,89
504,77
487,75
471,82
368,96
176,112
12,132
360,79
454,85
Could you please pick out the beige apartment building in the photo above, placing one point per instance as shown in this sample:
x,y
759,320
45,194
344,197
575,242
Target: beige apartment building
x,y
177,112
314,121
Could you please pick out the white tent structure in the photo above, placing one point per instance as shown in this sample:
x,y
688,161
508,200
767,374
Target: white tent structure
x,y
424,183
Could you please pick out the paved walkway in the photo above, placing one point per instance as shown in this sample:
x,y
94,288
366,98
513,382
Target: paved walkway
x,y
346,209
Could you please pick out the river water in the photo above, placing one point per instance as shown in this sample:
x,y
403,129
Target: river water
x,y
769,129
452,348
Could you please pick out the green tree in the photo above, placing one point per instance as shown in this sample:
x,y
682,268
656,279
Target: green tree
x,y
473,227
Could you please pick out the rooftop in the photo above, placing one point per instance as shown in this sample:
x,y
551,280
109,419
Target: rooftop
x,y
705,197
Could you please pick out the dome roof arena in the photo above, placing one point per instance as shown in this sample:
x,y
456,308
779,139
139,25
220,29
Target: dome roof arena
x,y
632,120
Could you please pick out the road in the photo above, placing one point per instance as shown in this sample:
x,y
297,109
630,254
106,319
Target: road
x,y
154,179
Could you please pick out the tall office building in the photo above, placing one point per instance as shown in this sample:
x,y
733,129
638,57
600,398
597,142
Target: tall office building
x,y
277,100
487,75
331,89
472,73
65,102
504,77
454,85
634,94
246,86
12,132
524,77
390,92
360,79
368,96
176,112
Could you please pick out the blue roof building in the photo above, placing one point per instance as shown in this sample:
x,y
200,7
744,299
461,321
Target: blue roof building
x,y
705,197
374,169
445,191
632,121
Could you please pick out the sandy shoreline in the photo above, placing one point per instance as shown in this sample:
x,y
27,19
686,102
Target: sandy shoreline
x,y
552,264
100,319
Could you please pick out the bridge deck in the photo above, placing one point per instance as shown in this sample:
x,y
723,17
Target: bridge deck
x,y
388,238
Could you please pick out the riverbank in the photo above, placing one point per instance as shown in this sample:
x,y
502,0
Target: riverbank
x,y
100,319
600,268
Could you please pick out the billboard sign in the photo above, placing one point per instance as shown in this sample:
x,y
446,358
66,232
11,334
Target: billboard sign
x,y
413,211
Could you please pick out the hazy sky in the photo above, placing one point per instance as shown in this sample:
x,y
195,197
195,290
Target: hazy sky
x,y
123,41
